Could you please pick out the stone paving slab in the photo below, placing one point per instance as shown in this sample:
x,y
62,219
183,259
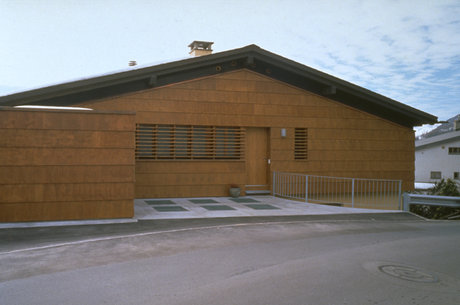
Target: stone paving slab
x,y
243,207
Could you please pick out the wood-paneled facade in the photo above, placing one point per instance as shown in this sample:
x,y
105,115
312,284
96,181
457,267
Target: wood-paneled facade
x,y
65,165
342,141
196,127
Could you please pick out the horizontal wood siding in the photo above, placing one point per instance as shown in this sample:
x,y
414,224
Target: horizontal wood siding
x,y
187,178
62,165
342,141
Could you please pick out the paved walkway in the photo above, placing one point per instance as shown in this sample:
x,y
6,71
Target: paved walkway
x,y
211,207
234,207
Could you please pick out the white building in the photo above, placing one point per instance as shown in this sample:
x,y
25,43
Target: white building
x,y
438,157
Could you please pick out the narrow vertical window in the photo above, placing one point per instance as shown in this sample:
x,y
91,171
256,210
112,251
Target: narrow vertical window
x,y
301,144
165,142
182,145
202,142
228,143
146,141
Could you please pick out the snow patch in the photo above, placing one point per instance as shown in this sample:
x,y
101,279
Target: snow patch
x,y
425,129
423,185
52,107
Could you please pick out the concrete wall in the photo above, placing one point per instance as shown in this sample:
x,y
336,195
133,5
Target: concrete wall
x,y
436,158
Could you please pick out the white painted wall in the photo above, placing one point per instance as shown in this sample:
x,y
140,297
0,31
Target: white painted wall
x,y
436,158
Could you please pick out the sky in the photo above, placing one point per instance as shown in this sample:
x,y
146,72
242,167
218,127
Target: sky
x,y
407,50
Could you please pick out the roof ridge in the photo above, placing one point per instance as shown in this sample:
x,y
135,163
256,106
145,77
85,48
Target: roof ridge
x,y
250,57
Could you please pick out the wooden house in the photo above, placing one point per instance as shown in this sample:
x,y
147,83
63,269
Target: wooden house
x,y
202,124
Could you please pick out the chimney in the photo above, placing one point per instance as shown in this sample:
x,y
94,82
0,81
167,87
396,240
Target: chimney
x,y
200,48
457,125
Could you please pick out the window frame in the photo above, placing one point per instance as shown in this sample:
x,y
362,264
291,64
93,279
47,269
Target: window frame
x,y
454,151
163,142
438,175
301,144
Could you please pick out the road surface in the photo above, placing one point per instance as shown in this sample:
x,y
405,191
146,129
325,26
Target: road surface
x,y
277,262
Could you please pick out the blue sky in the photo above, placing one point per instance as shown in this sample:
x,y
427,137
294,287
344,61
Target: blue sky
x,y
406,50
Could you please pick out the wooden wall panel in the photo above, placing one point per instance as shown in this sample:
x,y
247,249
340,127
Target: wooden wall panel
x,y
66,156
64,139
66,174
187,178
66,192
209,178
60,165
177,191
181,167
69,210
81,120
342,141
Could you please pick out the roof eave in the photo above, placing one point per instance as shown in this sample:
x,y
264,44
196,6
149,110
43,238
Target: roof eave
x,y
437,140
251,57
63,89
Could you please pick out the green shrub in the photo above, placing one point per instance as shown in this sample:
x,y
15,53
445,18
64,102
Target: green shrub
x,y
445,188
442,188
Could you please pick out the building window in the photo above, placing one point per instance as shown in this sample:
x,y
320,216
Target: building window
x,y
457,175
180,142
435,175
454,150
301,144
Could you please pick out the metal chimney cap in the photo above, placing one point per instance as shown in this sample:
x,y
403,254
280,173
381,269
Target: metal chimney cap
x,y
201,45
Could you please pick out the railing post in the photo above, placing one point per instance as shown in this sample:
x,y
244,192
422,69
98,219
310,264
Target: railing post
x,y
406,202
283,185
274,184
306,188
399,194
353,192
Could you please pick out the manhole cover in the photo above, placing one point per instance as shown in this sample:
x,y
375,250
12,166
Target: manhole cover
x,y
414,277
408,273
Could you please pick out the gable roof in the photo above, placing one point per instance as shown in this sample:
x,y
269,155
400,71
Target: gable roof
x,y
250,57
438,140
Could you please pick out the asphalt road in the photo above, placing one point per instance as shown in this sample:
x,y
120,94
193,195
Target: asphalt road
x,y
241,261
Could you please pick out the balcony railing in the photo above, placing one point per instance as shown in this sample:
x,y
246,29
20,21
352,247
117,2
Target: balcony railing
x,y
350,192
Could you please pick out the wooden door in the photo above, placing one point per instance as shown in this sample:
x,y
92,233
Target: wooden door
x,y
257,157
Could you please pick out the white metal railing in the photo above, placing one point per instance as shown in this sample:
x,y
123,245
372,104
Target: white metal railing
x,y
354,192
447,201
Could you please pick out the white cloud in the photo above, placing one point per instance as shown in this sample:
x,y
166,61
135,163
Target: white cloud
x,y
397,48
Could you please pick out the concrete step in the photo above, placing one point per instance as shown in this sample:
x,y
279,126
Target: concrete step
x,y
257,192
